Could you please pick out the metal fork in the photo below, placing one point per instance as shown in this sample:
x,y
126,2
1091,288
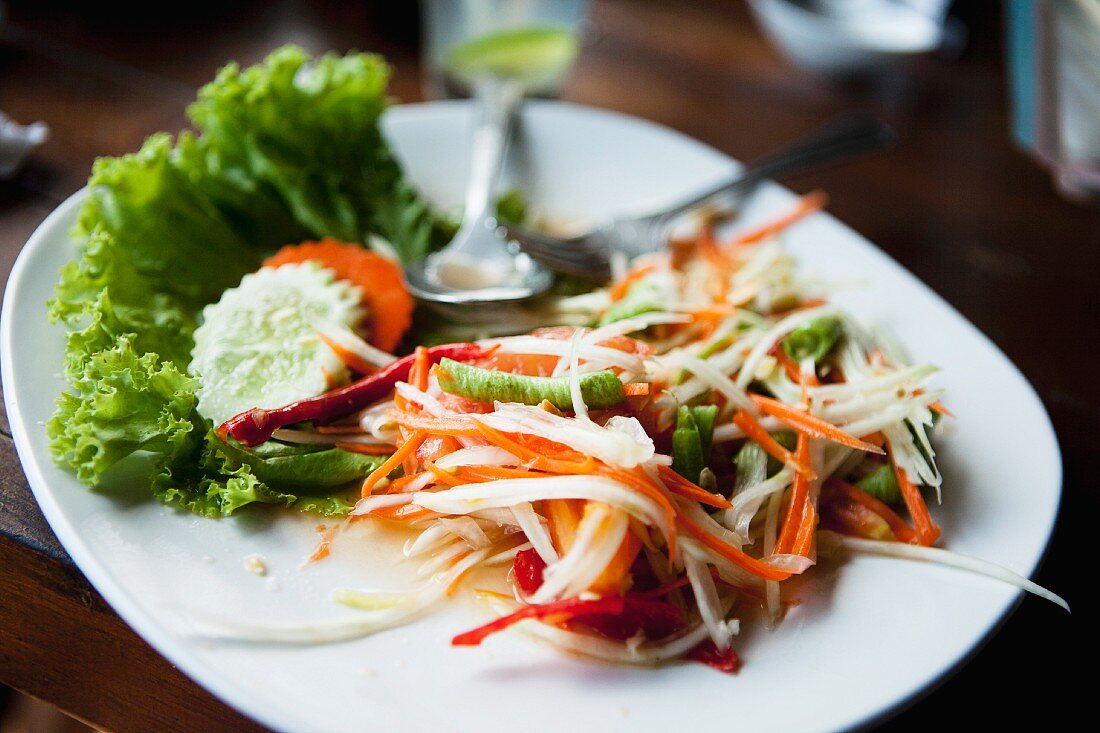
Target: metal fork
x,y
589,255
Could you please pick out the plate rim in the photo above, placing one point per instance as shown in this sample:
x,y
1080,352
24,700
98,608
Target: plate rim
x,y
210,678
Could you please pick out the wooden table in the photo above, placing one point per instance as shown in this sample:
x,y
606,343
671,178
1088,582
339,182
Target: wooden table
x,y
954,202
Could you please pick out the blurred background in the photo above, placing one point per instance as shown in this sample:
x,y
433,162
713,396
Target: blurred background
x,y
989,196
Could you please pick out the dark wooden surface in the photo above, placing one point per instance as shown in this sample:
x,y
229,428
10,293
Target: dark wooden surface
x,y
954,202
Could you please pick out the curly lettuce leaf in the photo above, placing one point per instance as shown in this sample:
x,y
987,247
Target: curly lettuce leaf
x,y
214,481
307,129
103,297
286,150
122,402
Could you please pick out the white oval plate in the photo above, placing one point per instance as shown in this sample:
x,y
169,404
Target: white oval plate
x,y
160,568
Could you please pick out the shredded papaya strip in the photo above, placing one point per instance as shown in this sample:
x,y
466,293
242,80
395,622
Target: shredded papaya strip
x,y
637,389
736,556
754,430
364,449
815,427
807,205
640,481
927,531
661,590
452,587
536,460
621,288
898,526
797,508
448,426
340,429
404,513
876,359
406,450
677,484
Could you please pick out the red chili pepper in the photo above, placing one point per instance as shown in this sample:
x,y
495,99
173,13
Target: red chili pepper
x,y
656,619
527,568
558,612
707,653
255,426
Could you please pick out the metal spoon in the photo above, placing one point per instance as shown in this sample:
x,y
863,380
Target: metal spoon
x,y
480,265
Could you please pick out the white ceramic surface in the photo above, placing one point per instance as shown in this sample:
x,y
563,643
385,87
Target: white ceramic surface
x,y
160,568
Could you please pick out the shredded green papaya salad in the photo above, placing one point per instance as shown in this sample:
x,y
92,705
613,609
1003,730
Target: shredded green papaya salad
x,y
655,458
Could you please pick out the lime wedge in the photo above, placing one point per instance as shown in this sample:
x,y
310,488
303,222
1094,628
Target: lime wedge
x,y
256,346
534,56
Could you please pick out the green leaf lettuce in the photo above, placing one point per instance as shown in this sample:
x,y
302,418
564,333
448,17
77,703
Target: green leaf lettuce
x,y
287,150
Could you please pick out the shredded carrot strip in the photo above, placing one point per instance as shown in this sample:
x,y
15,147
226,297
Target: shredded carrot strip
x,y
350,358
677,484
637,389
443,476
330,381
875,438
493,473
615,578
797,508
875,358
640,481
815,427
708,248
324,546
366,450
715,311
536,460
927,531
807,205
898,526
563,516
737,557
621,288
754,430
397,486
418,375
789,365
406,450
938,407
804,540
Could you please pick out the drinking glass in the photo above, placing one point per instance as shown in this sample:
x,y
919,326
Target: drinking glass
x,y
533,42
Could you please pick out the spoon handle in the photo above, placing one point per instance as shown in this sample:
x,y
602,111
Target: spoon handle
x,y
497,101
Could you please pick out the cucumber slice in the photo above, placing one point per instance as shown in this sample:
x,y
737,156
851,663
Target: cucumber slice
x,y
256,346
